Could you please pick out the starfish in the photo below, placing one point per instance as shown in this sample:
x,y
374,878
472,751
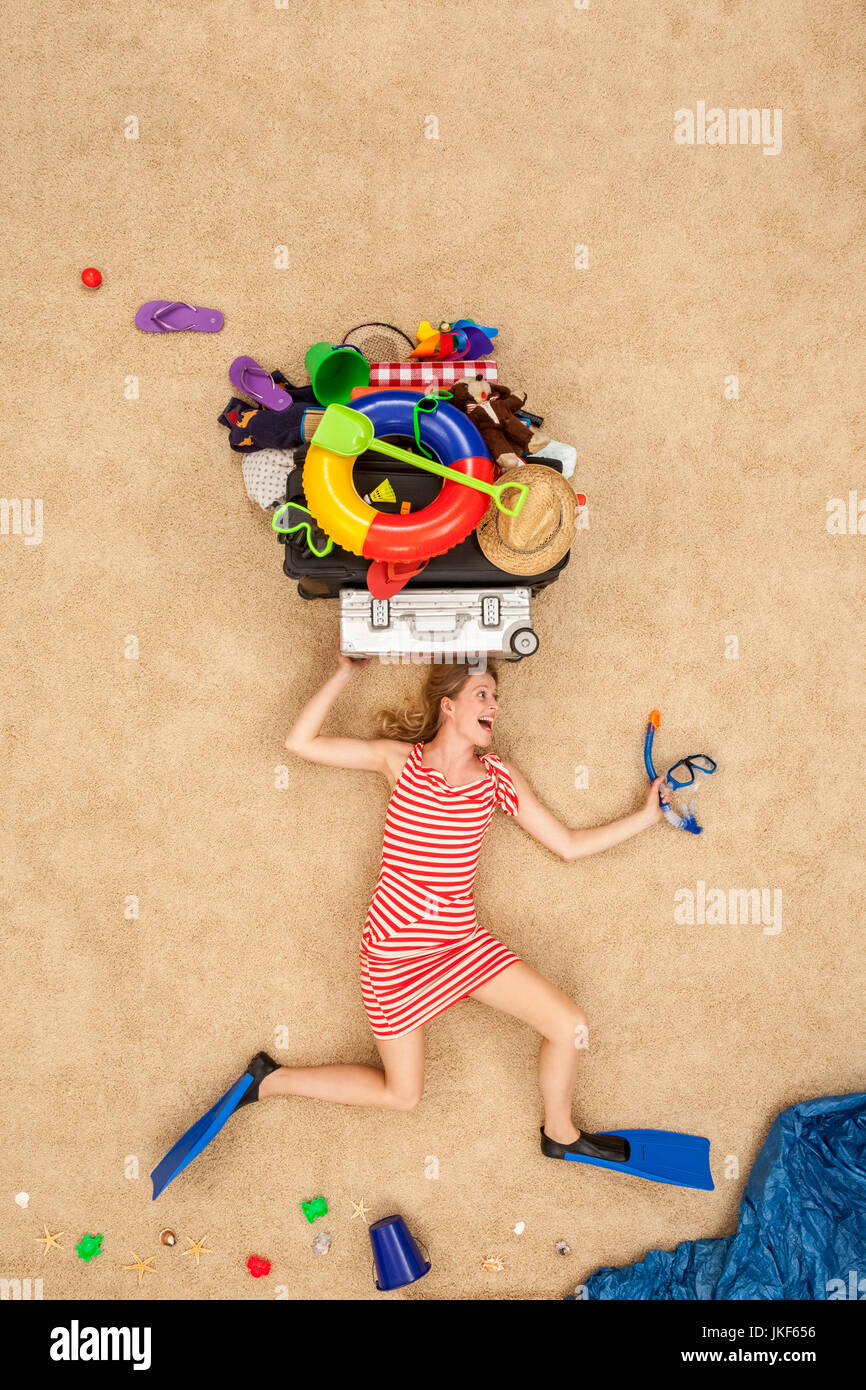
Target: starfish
x,y
196,1247
50,1239
141,1265
361,1209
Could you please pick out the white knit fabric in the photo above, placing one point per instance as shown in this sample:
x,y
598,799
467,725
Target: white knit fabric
x,y
565,453
265,474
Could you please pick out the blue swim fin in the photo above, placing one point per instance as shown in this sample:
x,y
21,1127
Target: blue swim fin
x,y
190,1145
661,1155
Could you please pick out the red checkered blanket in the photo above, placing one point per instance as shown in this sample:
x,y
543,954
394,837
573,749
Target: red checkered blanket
x,y
421,374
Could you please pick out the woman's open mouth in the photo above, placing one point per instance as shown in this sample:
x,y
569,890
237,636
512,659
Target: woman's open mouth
x,y
486,721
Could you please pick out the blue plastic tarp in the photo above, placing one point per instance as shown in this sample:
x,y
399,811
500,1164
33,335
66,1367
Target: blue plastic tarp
x,y
801,1226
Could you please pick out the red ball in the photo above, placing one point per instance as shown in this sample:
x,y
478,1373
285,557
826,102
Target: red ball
x,y
91,277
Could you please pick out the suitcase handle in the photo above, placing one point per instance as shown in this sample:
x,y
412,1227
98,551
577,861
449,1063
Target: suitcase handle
x,y
437,632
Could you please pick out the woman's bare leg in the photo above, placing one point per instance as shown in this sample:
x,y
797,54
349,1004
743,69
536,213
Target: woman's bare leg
x,y
398,1087
521,991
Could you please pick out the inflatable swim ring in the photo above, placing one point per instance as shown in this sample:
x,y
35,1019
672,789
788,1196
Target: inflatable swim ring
x,y
352,523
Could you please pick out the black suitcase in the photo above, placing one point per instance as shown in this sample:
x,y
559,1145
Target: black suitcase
x,y
464,566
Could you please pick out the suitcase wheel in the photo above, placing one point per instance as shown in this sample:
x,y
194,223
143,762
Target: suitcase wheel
x,y
524,642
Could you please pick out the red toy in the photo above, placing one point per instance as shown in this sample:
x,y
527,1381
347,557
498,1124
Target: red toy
x,y
91,277
258,1267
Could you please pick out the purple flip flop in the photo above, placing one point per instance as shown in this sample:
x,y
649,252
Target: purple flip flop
x,y
247,376
173,316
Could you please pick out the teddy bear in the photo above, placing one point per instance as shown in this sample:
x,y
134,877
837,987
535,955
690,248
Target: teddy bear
x,y
492,409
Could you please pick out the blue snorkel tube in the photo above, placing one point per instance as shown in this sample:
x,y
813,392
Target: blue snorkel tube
x,y
688,821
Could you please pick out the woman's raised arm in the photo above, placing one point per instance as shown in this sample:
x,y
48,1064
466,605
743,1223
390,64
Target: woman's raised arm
x,y
305,739
543,825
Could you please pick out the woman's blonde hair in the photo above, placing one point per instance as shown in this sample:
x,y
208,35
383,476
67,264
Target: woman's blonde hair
x,y
417,720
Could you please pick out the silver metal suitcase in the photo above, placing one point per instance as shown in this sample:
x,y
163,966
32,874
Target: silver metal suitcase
x,y
443,624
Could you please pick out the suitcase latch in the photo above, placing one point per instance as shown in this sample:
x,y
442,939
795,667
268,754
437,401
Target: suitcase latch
x,y
379,613
490,611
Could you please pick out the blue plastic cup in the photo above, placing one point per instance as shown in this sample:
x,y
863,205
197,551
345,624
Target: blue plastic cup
x,y
398,1261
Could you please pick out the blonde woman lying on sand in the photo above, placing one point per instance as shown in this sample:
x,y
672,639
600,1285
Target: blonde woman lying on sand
x,y
422,947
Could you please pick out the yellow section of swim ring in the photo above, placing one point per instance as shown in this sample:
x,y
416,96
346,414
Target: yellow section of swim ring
x,y
333,500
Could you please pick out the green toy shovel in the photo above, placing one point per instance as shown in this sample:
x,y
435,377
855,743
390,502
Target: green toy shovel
x,y
347,432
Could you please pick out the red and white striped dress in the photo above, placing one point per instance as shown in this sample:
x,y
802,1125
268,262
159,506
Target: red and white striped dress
x,y
423,947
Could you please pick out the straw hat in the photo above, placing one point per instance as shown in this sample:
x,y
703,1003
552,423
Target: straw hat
x,y
541,534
